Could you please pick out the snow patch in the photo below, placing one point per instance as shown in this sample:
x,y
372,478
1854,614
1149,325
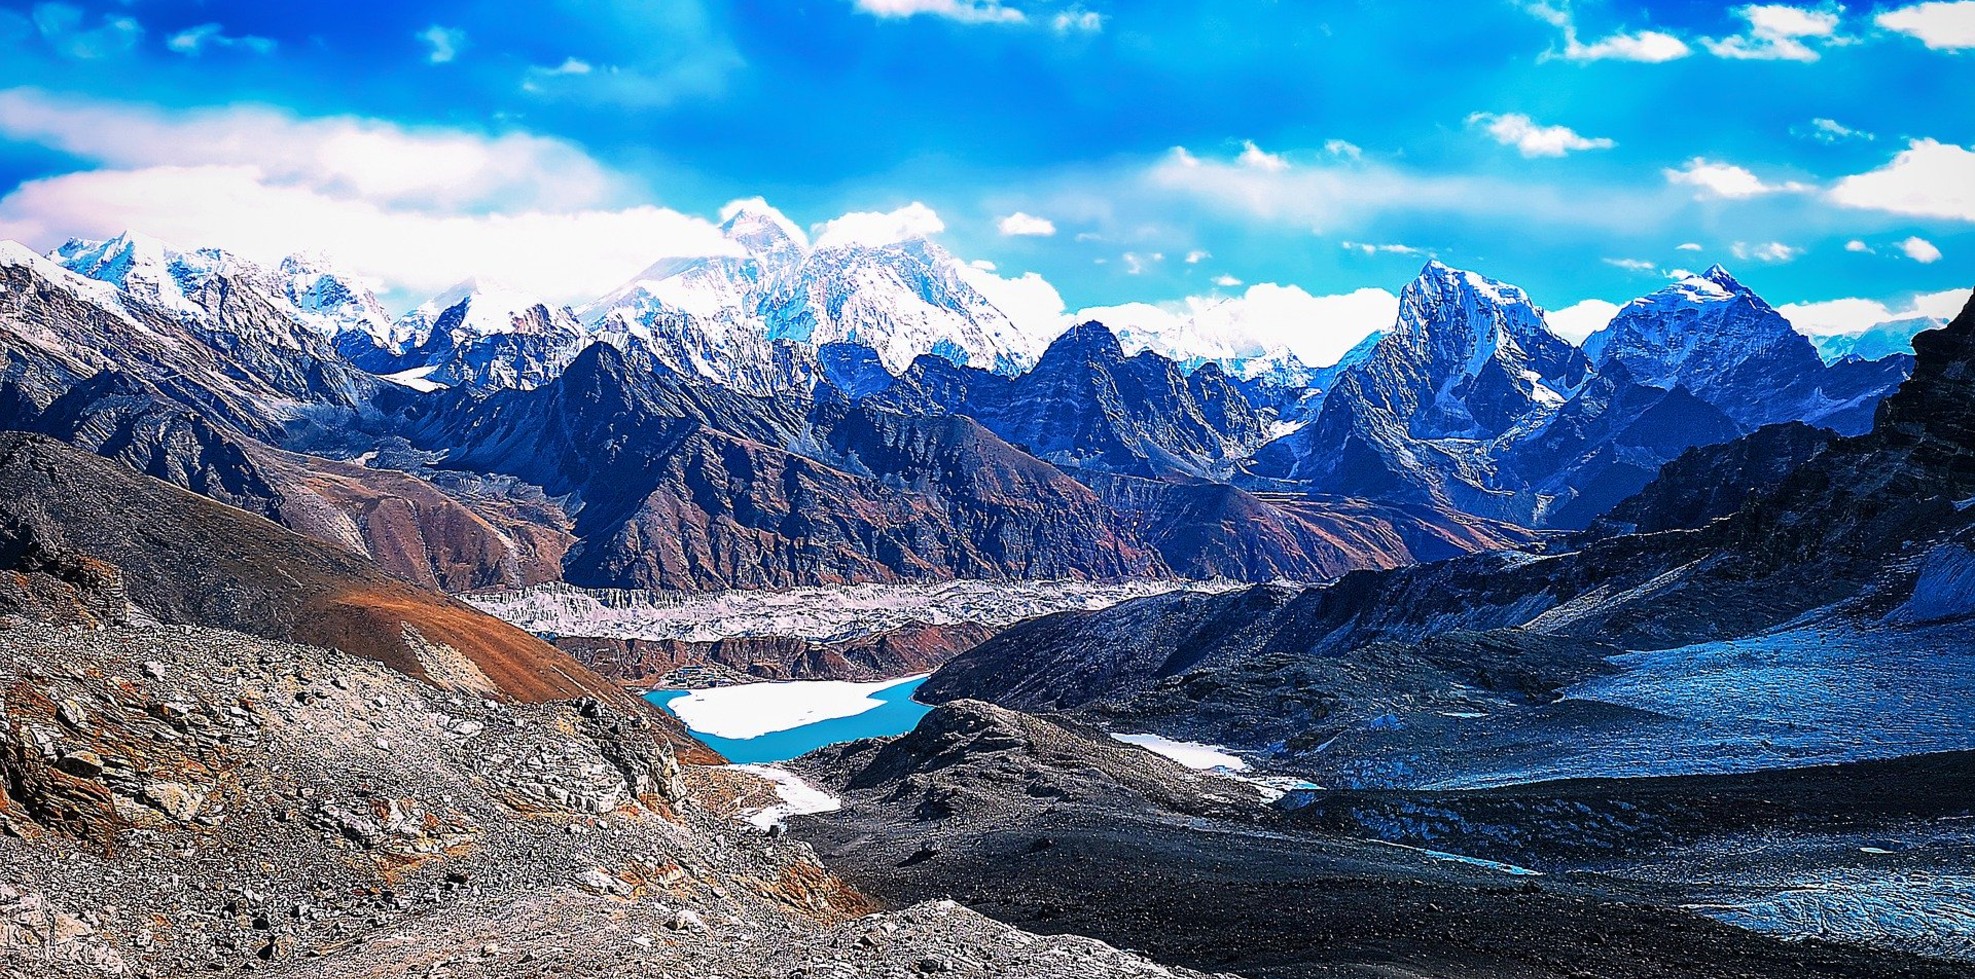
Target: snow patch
x,y
799,797
1200,757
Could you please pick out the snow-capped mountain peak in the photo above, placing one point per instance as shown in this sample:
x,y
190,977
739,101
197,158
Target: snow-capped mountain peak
x,y
763,231
477,308
335,302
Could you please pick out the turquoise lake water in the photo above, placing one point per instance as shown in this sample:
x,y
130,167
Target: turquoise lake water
x,y
896,713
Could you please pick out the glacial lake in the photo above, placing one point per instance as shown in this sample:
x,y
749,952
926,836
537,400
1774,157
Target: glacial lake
x,y
760,723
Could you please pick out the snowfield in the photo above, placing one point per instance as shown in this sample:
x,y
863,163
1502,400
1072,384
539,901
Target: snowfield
x,y
1200,757
821,613
750,710
799,797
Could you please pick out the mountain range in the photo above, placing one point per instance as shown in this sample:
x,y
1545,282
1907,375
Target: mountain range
x,y
799,413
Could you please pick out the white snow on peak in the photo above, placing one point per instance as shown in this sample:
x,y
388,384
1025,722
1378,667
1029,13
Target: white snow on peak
x,y
478,308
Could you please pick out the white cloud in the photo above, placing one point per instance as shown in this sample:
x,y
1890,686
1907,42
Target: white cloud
x,y
1226,281
337,156
443,43
963,11
1632,264
1388,249
1773,252
416,209
1343,149
1264,318
1927,179
1688,246
1580,320
564,256
1520,131
1196,256
193,41
1137,264
1020,224
1646,46
1830,131
1856,315
1921,250
1255,158
1314,195
1032,304
1712,179
60,24
879,228
570,66
1777,33
1940,26
1856,245
1076,19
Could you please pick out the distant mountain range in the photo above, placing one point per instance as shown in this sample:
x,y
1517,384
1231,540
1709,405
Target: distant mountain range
x,y
796,413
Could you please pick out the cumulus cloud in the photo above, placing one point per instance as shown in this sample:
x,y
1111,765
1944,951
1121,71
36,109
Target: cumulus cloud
x,y
1942,26
193,41
1198,255
1264,318
1928,179
1321,193
1580,320
1226,281
1920,250
1711,179
1031,303
1256,158
1367,248
1024,225
1632,264
339,156
1773,252
963,11
62,26
415,209
1688,246
1532,140
875,229
1645,46
1076,19
1343,149
1777,32
443,44
1838,316
1830,131
1858,246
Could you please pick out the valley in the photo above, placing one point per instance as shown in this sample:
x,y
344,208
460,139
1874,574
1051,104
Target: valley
x,y
746,621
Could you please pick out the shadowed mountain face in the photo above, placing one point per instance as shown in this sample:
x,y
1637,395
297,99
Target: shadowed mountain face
x,y
1877,521
686,485
1085,405
1472,404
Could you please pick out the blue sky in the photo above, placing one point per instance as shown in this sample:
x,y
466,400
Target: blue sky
x,y
1170,148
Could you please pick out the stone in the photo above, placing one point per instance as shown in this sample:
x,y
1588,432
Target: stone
x,y
173,799
82,764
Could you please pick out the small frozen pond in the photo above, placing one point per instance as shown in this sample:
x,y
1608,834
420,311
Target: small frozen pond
x,y
759,723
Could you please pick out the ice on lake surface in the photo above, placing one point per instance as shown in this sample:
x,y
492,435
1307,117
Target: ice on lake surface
x,y
771,722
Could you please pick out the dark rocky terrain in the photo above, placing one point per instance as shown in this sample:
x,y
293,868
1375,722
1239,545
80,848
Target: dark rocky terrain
x,y
180,801
1039,825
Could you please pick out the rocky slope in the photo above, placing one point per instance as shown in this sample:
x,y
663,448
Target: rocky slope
x,y
1850,529
179,558
1472,404
186,800
687,485
1056,828
1085,405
